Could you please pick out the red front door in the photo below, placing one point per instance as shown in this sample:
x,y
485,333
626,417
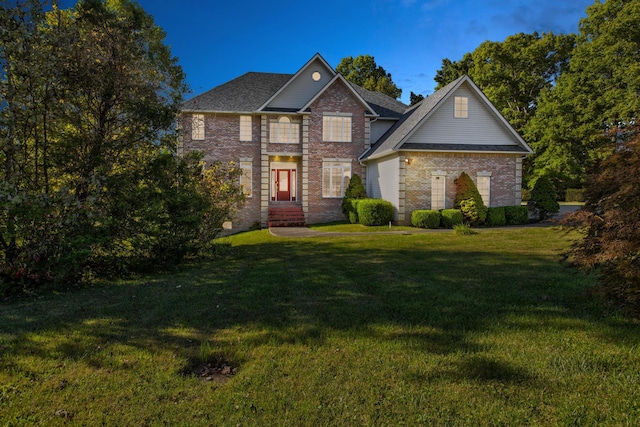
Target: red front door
x,y
283,185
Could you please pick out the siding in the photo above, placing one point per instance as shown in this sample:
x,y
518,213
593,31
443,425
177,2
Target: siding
x,y
379,128
481,127
303,88
383,180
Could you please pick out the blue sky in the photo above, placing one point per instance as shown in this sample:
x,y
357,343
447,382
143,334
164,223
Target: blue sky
x,y
217,41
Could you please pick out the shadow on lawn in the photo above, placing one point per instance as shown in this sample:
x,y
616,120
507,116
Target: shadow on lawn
x,y
398,289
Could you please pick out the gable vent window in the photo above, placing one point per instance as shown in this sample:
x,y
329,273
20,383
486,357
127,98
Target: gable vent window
x,y
197,126
284,130
336,128
461,107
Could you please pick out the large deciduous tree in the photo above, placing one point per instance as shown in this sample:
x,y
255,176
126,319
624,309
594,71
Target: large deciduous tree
x,y
597,93
90,179
364,72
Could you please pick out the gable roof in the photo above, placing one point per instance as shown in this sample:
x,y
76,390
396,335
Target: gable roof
x,y
340,78
253,92
396,138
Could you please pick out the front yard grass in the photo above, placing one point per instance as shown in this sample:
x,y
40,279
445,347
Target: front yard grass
x,y
425,329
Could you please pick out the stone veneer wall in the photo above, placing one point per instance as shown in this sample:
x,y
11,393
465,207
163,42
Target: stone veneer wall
x,y
415,178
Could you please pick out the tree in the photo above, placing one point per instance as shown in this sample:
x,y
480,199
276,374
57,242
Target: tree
x,y
469,200
610,224
543,197
364,72
354,191
414,98
595,94
88,139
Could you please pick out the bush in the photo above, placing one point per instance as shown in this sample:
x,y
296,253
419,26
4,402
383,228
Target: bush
x,y
352,209
374,212
516,215
496,217
526,194
354,191
543,196
464,230
450,218
469,201
574,195
425,218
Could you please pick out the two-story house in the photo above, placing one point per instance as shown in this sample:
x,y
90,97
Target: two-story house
x,y
300,137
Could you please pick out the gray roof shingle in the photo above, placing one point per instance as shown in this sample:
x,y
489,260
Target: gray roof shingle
x,y
243,94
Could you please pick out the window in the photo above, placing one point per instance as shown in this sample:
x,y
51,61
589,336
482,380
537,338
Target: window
x,y
284,130
437,192
461,107
484,188
336,128
245,128
246,179
335,178
197,126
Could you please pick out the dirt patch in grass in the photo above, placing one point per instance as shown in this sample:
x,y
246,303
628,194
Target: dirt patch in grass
x,y
217,369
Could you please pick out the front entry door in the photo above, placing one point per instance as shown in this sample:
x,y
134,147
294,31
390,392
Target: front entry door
x,y
283,185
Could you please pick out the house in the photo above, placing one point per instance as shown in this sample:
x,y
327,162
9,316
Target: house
x,y
298,139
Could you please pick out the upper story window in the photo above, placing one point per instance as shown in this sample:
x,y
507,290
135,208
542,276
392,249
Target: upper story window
x,y
245,128
461,107
284,130
197,126
336,128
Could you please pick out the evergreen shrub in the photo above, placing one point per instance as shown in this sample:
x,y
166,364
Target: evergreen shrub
x,y
374,212
425,218
469,200
543,196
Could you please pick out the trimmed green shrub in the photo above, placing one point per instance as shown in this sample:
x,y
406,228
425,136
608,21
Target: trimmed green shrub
x,y
516,215
469,200
451,217
496,217
543,196
574,195
374,212
425,218
354,191
352,211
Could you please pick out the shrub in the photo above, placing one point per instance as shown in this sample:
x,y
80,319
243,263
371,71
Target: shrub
x,y
374,212
516,215
352,209
425,218
526,194
354,191
543,196
469,201
450,217
496,217
464,230
574,195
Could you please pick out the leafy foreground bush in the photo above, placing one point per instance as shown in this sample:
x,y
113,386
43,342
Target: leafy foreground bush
x,y
374,212
451,218
469,200
425,218
610,223
496,217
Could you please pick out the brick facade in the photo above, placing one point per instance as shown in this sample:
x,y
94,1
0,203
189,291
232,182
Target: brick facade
x,y
505,171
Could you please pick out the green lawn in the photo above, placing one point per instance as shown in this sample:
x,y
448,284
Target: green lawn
x,y
428,329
